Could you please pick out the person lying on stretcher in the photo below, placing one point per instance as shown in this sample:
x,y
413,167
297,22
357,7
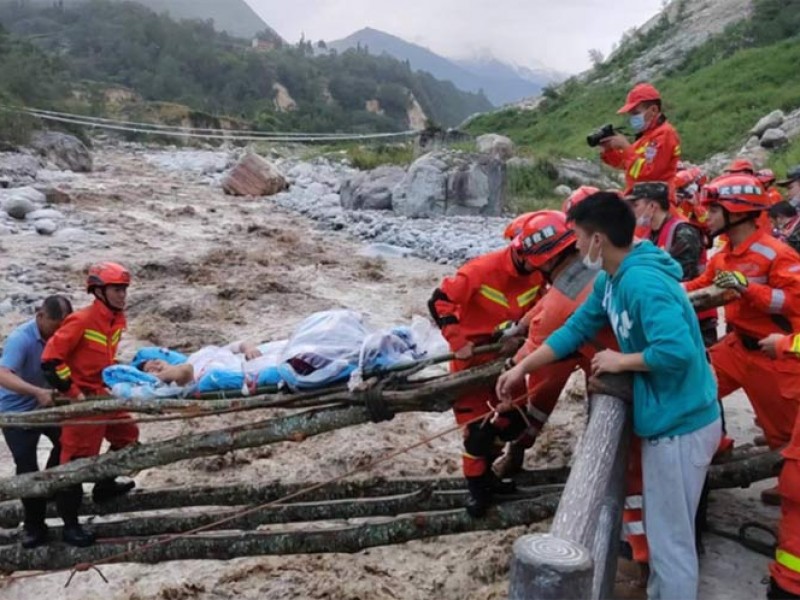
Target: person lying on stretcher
x,y
237,357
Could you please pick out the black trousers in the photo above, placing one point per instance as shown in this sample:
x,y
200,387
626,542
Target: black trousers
x,y
23,444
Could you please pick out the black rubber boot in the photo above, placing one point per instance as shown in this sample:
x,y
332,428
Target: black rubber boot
x,y
776,592
68,502
480,497
499,486
108,489
34,531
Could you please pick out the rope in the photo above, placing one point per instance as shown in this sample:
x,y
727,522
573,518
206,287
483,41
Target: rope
x,y
82,567
78,120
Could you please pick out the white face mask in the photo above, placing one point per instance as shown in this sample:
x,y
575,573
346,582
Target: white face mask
x,y
647,217
593,264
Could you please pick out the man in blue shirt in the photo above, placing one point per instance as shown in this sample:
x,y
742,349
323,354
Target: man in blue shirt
x,y
23,388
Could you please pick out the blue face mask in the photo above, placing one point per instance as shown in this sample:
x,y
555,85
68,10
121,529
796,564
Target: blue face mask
x,y
637,122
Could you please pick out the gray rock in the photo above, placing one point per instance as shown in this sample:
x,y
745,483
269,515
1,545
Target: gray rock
x,y
770,121
18,202
580,171
45,213
791,124
520,162
753,142
45,226
371,190
447,183
6,306
64,150
16,167
774,138
498,146
562,190
421,193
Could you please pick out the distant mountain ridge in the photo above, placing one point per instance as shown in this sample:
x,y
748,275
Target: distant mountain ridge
x,y
233,16
502,83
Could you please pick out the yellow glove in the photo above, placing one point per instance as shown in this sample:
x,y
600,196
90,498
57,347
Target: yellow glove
x,y
731,280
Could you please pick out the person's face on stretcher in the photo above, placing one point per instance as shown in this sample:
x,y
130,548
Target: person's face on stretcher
x,y
180,374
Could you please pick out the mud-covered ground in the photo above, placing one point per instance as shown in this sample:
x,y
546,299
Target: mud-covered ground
x,y
209,269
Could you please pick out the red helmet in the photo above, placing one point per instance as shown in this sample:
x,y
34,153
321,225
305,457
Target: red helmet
x,y
736,193
107,273
740,165
578,196
688,181
766,177
544,236
515,227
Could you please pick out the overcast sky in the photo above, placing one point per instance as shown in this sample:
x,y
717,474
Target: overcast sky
x,y
555,33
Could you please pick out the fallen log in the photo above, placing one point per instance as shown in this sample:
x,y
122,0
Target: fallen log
x,y
296,427
424,500
226,547
250,494
410,395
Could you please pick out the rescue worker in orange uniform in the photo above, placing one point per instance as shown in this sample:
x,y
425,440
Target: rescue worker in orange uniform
x,y
785,570
471,308
73,361
767,179
676,235
687,185
654,154
766,274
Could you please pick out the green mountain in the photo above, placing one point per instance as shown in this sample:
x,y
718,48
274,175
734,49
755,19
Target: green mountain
x,y
91,46
720,65
233,16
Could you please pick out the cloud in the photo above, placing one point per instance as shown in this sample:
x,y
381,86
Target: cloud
x,y
555,33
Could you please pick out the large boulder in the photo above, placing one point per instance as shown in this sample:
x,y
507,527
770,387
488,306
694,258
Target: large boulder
x,y
253,176
774,138
447,183
495,145
19,202
371,190
579,171
64,150
770,121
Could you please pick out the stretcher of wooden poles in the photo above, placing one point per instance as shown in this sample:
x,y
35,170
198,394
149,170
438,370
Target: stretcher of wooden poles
x,y
387,511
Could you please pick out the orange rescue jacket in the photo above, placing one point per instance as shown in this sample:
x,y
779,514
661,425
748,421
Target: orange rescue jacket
x,y
484,293
771,301
84,345
653,156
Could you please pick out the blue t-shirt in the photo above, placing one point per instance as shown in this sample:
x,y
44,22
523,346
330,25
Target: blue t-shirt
x,y
22,354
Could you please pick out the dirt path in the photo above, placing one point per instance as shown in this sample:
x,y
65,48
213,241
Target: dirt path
x,y
210,269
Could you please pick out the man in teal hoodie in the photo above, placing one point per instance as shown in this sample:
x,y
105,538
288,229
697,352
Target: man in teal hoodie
x,y
675,409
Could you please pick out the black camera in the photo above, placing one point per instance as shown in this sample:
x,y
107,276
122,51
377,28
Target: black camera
x,y
593,139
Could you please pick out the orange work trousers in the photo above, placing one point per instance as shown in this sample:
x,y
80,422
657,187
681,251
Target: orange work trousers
x,y
771,385
82,441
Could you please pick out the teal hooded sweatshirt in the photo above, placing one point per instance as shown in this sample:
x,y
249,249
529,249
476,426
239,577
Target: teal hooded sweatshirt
x,y
650,313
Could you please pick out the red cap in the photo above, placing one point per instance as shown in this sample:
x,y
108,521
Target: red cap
x,y
641,92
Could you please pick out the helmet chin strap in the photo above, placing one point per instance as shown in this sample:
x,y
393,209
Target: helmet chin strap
x,y
100,294
751,216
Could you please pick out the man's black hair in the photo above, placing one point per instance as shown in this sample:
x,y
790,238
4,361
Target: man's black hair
x,y
607,213
782,209
56,307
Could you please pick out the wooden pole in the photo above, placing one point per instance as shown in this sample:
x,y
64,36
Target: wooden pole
x,y
587,521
